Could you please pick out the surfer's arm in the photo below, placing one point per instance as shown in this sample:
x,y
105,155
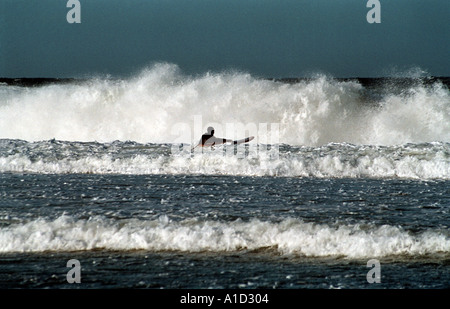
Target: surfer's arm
x,y
211,141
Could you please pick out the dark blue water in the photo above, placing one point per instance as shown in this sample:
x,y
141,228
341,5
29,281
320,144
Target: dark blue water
x,y
309,233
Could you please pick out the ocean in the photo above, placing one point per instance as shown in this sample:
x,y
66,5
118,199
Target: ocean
x,y
345,186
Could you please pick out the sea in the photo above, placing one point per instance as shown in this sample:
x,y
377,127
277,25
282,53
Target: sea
x,y
345,186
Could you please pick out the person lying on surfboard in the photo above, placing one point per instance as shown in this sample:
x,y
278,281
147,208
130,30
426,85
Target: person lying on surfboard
x,y
209,140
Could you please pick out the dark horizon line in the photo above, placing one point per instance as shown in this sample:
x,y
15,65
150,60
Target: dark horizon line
x,y
40,81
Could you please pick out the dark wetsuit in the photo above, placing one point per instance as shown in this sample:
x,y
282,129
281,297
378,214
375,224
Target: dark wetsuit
x,y
211,140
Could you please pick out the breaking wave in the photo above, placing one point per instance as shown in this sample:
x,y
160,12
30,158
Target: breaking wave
x,y
290,236
415,161
162,105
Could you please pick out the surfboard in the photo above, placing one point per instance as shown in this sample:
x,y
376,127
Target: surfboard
x,y
236,142
244,140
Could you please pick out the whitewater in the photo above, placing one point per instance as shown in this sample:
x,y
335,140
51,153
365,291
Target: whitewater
x,y
320,127
152,107
409,161
289,237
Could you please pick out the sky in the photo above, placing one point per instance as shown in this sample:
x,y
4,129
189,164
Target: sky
x,y
267,38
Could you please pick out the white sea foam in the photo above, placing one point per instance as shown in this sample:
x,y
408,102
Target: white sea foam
x,y
417,161
290,236
151,106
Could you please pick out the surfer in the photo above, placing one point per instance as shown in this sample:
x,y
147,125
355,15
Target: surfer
x,y
208,139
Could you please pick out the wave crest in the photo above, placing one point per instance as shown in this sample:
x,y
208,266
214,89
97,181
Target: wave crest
x,y
290,236
148,108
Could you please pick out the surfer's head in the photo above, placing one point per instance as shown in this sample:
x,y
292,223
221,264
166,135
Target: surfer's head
x,y
210,130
